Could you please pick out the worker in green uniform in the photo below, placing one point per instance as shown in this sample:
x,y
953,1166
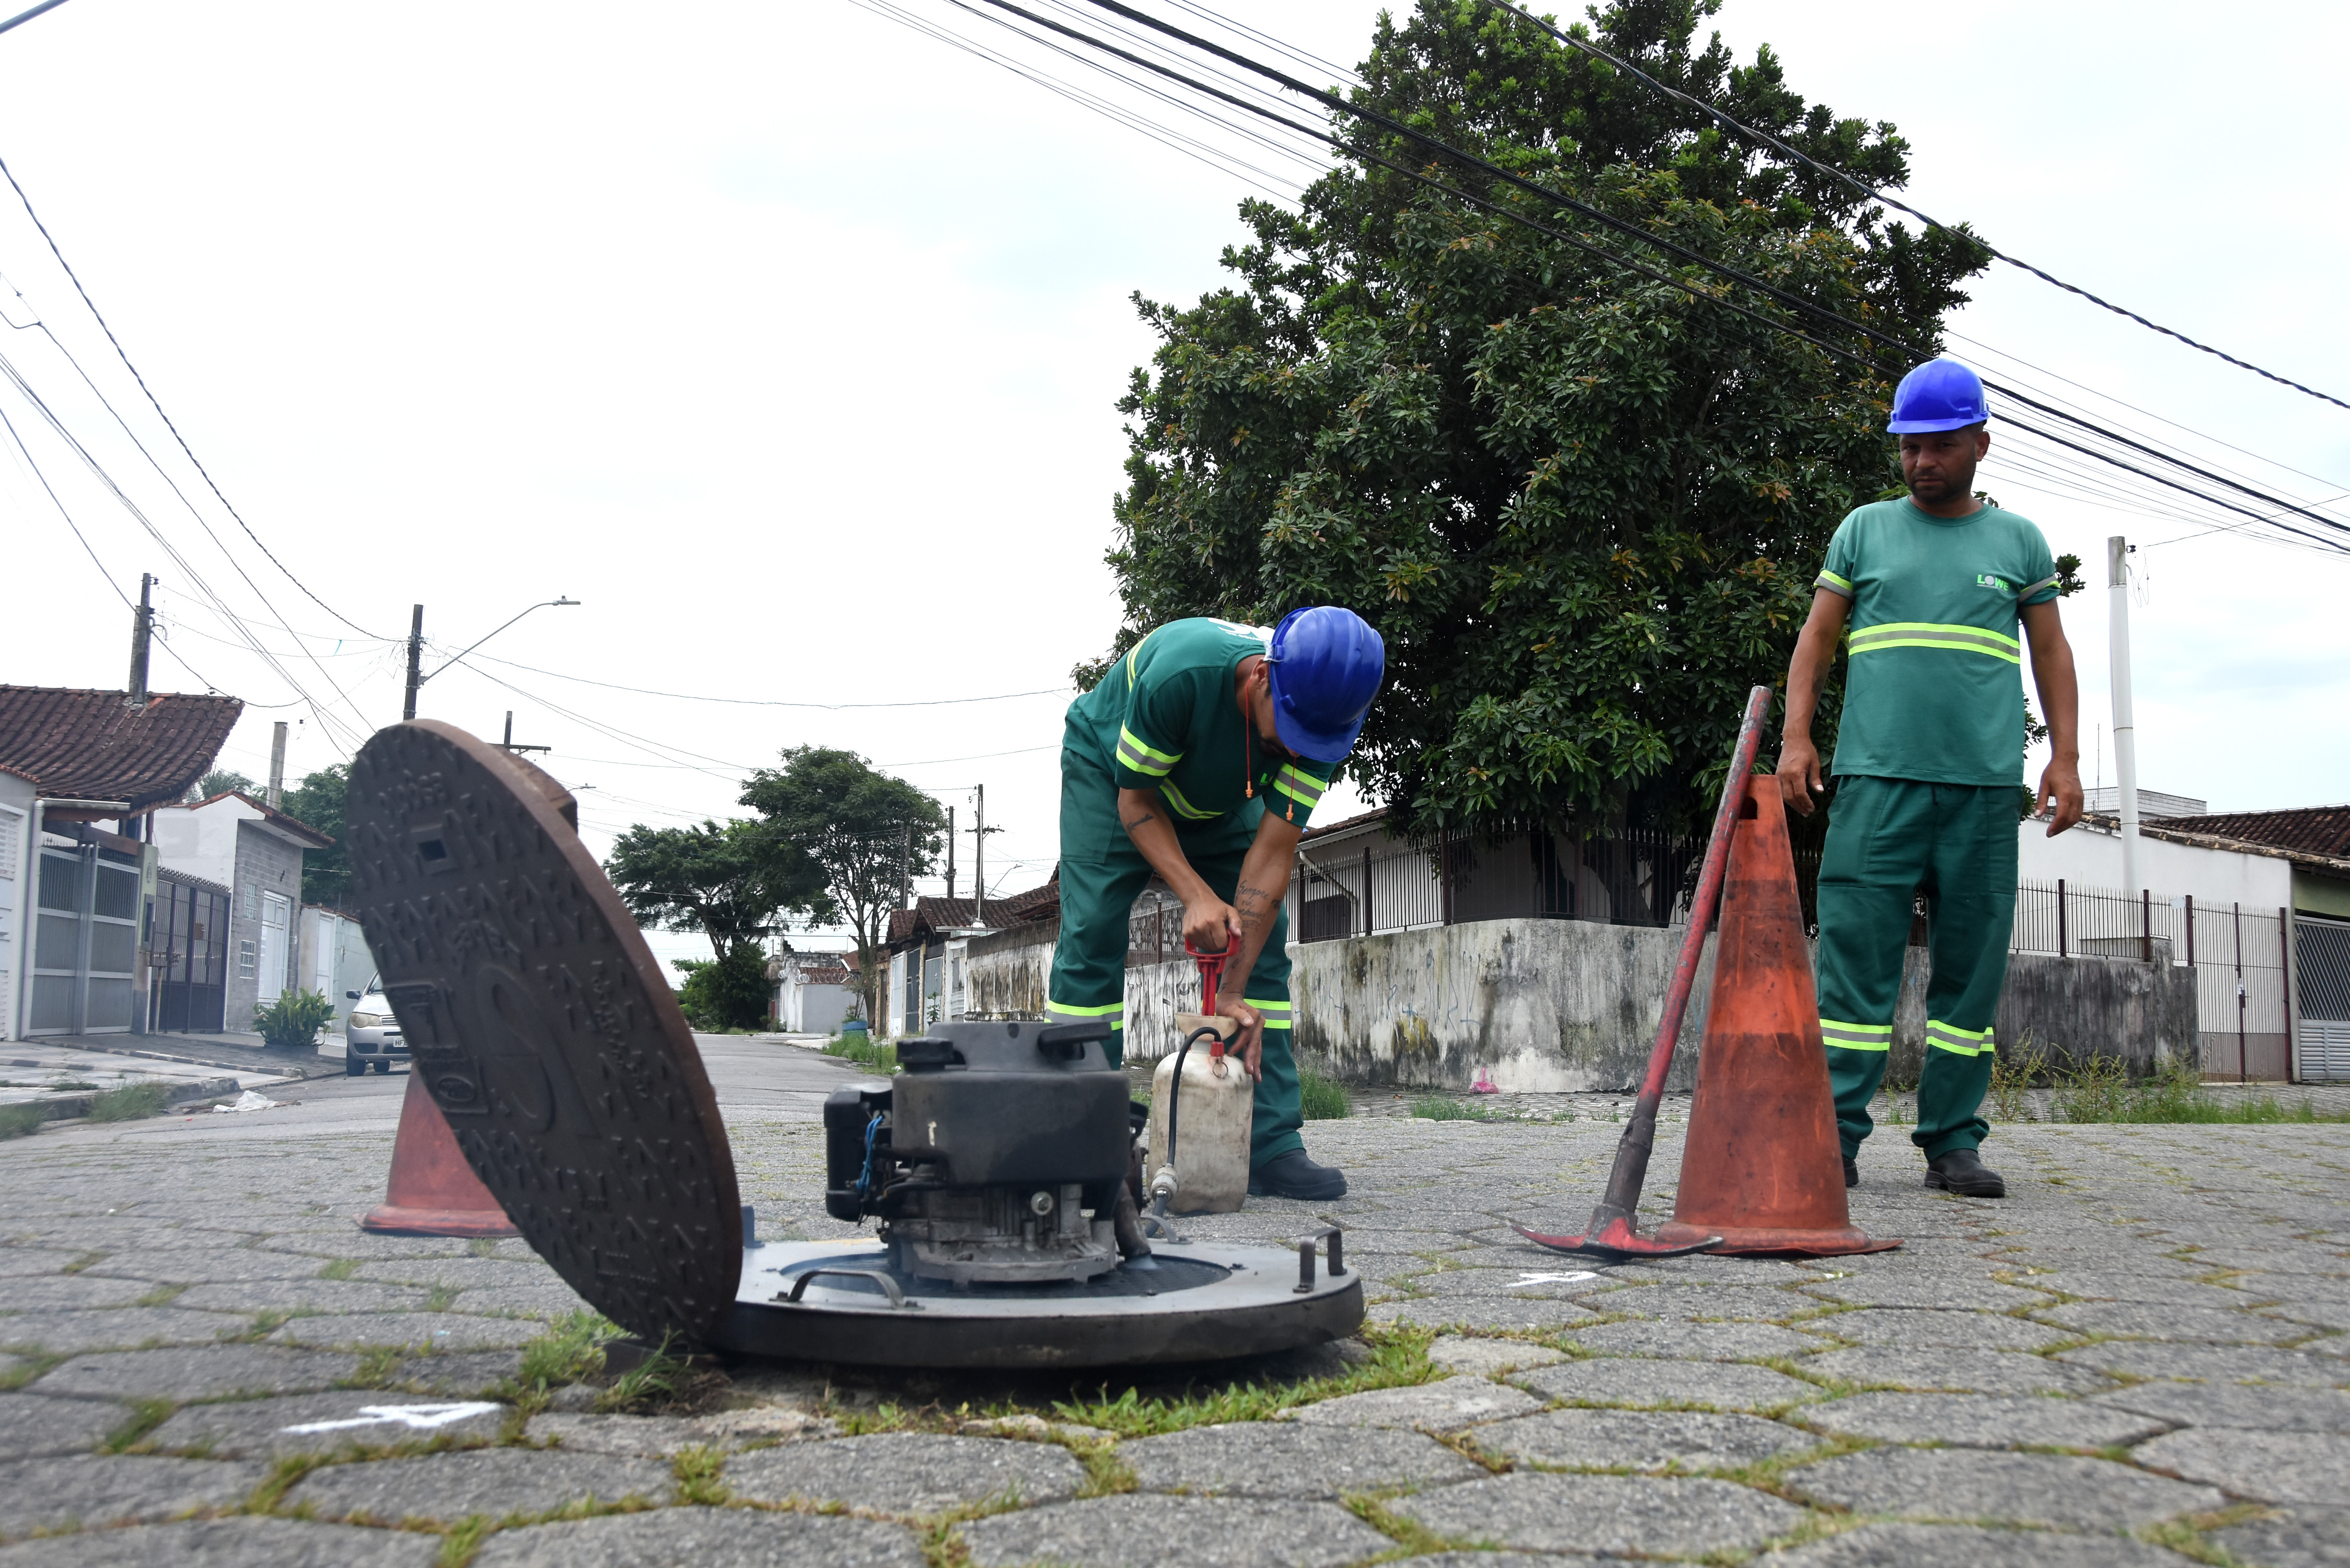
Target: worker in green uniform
x,y
1928,756
1201,756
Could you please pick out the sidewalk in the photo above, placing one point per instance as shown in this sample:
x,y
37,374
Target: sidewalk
x,y
160,1055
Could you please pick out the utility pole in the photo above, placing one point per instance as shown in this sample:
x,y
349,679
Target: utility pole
x,y
950,880
415,663
278,765
142,628
906,864
979,858
2117,554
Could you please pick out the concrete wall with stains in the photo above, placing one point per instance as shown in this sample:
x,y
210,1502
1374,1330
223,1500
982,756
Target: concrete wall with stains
x,y
1532,1006
1571,1005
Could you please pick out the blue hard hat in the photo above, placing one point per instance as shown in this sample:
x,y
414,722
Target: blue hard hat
x,y
1327,665
1939,395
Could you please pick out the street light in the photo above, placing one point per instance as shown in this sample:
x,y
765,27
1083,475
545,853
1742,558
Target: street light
x,y
416,651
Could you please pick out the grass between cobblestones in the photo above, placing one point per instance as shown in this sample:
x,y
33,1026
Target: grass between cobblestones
x,y
2184,1536
1398,1359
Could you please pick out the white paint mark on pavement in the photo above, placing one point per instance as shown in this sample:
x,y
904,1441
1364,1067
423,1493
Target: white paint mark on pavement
x,y
416,1418
1551,1278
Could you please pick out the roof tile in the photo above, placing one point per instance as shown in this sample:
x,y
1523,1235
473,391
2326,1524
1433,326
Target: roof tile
x,y
87,745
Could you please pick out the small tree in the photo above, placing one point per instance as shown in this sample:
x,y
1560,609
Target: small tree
x,y
864,831
318,801
731,992
722,879
220,780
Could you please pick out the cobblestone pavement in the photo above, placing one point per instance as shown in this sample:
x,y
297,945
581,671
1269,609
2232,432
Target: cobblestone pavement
x,y
2138,1359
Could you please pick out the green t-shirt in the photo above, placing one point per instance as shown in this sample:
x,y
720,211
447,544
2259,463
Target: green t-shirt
x,y
1935,690
1164,718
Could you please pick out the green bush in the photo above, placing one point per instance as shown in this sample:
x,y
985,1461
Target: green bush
x,y
129,1103
292,1022
21,1120
726,993
1322,1099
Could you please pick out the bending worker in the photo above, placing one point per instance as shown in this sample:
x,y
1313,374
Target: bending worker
x,y
1928,758
1200,757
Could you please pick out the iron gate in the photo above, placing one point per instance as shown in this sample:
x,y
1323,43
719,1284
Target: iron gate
x,y
2321,963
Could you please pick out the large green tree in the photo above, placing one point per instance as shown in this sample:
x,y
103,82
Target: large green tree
x,y
863,830
1583,507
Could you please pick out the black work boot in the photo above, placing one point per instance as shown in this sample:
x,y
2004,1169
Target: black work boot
x,y
1292,1175
1962,1172
1851,1171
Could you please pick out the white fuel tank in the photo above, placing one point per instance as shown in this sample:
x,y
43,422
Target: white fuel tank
x,y
1212,1132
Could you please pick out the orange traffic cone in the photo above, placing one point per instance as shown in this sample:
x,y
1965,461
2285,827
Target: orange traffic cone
x,y
1762,1168
433,1192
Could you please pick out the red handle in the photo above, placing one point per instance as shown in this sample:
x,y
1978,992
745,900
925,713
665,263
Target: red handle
x,y
1212,977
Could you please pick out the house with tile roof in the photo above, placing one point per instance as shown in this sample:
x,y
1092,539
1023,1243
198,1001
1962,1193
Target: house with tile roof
x,y
929,945
75,896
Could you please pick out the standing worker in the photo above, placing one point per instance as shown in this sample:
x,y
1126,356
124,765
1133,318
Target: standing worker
x,y
1200,757
1928,758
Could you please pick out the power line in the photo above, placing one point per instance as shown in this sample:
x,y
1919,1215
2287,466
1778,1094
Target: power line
x,y
156,403
50,490
1608,220
326,724
2062,456
764,702
1872,194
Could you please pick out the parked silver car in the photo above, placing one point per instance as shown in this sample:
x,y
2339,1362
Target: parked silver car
x,y
373,1033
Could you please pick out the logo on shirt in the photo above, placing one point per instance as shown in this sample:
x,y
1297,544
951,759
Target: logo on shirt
x,y
1997,584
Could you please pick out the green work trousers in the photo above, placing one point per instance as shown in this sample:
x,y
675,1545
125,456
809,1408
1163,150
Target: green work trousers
x,y
1889,839
1102,874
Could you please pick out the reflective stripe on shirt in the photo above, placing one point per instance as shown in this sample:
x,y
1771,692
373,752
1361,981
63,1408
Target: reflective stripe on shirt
x,y
1183,806
1927,634
1142,757
1298,786
1833,583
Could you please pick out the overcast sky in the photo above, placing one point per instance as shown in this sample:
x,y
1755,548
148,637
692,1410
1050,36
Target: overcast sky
x,y
787,341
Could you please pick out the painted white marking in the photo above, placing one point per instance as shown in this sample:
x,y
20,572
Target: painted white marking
x,y
1551,1278
416,1418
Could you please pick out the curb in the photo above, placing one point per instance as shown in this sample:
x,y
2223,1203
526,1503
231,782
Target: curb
x,y
62,1107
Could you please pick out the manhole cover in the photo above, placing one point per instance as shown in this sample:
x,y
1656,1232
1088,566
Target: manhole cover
x,y
541,1025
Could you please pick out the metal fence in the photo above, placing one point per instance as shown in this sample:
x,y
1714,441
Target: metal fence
x,y
2238,955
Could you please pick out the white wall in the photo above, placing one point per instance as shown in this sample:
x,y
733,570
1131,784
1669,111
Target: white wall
x,y
2091,856
16,863
200,841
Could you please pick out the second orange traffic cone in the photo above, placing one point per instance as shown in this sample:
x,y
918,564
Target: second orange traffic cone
x,y
433,1192
1762,1167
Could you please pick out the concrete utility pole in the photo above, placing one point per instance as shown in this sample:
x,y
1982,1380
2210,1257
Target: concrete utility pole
x,y
906,865
978,860
415,663
278,765
950,880
142,628
2117,554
